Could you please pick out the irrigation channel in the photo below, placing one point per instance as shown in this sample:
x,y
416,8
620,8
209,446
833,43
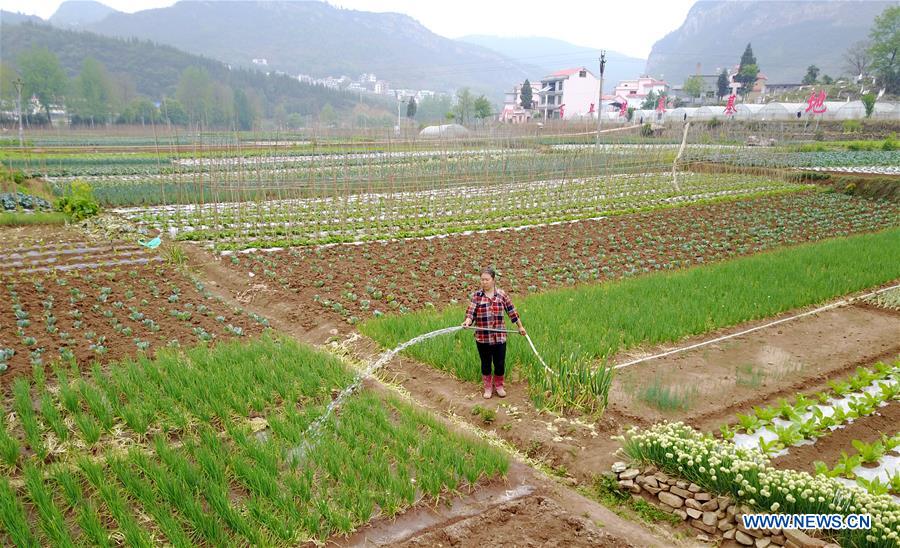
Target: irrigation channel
x,y
313,430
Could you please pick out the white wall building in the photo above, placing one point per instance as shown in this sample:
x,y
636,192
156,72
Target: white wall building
x,y
574,92
636,91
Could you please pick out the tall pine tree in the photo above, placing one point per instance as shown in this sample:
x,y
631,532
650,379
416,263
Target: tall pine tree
x,y
747,71
722,84
526,95
748,58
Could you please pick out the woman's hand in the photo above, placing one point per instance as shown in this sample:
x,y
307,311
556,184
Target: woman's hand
x,y
467,322
522,330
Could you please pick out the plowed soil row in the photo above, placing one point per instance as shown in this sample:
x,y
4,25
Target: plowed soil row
x,y
89,321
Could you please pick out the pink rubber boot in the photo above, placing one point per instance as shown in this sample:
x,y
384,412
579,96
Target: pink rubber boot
x,y
498,386
486,380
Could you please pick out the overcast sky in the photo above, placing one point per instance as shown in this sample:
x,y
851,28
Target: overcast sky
x,y
609,25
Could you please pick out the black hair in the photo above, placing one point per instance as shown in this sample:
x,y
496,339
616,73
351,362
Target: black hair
x,y
490,271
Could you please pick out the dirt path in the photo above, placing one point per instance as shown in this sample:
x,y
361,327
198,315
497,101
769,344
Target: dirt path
x,y
721,379
527,510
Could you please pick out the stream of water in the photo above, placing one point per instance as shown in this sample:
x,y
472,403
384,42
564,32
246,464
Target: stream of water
x,y
314,430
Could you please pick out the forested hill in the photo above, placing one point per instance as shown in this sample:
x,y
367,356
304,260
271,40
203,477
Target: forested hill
x,y
152,70
320,39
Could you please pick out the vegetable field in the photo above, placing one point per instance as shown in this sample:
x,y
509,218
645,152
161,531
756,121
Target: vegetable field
x,y
445,210
198,447
149,398
76,301
353,283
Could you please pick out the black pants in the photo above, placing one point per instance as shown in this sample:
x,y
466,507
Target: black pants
x,y
495,353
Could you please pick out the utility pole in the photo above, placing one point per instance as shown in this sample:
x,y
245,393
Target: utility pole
x,y
600,101
19,83
399,103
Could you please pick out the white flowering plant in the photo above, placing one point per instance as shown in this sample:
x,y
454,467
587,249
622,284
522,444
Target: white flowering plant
x,y
747,475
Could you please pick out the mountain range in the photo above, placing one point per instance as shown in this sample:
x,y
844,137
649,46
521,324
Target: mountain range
x,y
76,14
786,36
315,38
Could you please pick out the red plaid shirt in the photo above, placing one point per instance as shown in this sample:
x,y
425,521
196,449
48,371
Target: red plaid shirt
x,y
487,312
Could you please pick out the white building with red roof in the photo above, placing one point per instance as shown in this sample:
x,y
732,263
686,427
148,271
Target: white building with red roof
x,y
568,94
636,91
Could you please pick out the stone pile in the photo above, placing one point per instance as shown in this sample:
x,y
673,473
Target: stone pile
x,y
717,519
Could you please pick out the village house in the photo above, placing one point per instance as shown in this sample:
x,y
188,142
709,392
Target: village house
x,y
636,91
567,94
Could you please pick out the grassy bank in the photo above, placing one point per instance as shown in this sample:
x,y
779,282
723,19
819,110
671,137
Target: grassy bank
x,y
28,219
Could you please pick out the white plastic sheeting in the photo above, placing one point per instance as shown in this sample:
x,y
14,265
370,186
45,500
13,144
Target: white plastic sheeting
x,y
709,112
445,131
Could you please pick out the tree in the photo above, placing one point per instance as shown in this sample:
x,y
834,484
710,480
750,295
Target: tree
x,y
482,108
747,77
8,75
411,107
694,86
140,111
294,120
857,59
650,101
722,84
827,80
195,94
328,116
527,96
748,70
812,74
868,101
885,50
434,109
465,104
174,112
43,78
124,89
220,108
747,58
92,93
244,115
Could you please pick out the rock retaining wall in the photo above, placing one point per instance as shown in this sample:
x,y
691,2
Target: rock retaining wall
x,y
717,519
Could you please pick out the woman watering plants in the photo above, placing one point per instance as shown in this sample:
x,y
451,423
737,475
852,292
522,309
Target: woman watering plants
x,y
485,312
